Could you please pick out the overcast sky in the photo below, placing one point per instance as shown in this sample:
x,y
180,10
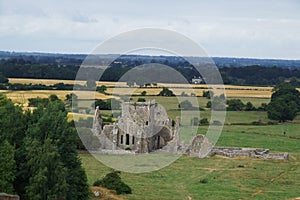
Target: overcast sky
x,y
235,28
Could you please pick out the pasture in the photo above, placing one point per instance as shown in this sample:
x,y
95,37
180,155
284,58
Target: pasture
x,y
219,177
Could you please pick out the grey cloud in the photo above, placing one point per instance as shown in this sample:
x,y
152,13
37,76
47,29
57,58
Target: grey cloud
x,y
250,28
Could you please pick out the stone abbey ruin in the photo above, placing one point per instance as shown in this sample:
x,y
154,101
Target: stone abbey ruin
x,y
142,128
145,127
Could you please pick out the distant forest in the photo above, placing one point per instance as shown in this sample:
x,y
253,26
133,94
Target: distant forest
x,y
47,67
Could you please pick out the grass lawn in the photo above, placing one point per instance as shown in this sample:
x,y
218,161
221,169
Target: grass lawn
x,y
227,178
236,178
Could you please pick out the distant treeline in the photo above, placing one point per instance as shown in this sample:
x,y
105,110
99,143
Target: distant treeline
x,y
249,75
259,75
57,86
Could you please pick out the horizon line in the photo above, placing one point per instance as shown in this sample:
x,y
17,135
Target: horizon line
x,y
86,54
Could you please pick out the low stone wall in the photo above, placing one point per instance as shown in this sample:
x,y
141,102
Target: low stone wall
x,y
249,152
4,196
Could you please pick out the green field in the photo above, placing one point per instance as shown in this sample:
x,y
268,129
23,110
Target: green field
x,y
238,178
227,178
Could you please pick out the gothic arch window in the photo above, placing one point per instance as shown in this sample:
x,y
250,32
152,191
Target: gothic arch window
x,y
133,139
121,139
127,139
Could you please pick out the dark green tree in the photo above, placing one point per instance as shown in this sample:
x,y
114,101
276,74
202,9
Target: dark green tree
x,y
204,121
263,107
102,89
208,104
7,167
3,79
12,129
295,82
53,97
71,100
235,105
249,107
208,94
282,109
47,161
113,181
141,99
48,175
34,102
285,103
52,123
166,92
11,122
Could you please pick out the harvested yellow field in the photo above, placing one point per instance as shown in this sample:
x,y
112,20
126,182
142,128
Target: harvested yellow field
x,y
264,93
178,89
22,97
230,90
248,93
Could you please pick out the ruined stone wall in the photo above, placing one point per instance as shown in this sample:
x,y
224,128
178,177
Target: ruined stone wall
x,y
4,196
248,152
200,145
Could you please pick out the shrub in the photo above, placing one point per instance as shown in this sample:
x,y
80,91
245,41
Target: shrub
x,y
141,99
236,105
34,102
204,181
143,93
204,121
101,89
97,183
166,92
113,181
249,107
207,94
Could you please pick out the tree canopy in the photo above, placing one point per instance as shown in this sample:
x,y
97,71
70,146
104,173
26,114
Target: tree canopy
x,y
41,147
3,79
285,103
7,167
166,92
